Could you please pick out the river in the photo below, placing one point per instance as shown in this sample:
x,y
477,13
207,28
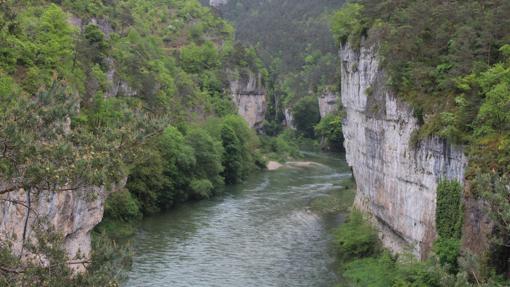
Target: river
x,y
260,233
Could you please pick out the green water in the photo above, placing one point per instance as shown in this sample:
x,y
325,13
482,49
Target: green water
x,y
259,233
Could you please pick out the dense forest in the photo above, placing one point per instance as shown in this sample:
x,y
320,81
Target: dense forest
x,y
94,92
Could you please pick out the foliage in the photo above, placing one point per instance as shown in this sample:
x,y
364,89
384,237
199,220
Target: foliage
x,y
281,147
294,43
356,238
347,23
449,210
208,154
122,206
232,155
199,58
452,67
448,250
330,130
371,271
56,271
92,92
306,116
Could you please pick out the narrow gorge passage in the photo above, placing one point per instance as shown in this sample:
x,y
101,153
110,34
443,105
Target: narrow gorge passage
x,y
260,233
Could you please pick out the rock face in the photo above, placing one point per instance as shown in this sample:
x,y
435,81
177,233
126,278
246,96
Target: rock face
x,y
328,103
249,96
396,181
71,213
289,119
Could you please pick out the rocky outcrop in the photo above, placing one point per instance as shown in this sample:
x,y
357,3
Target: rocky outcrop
x,y
72,213
328,103
249,96
289,118
396,181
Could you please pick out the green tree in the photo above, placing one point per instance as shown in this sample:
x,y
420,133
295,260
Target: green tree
x,y
232,155
306,116
330,130
208,153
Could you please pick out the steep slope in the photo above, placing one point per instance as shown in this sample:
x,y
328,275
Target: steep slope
x,y
396,181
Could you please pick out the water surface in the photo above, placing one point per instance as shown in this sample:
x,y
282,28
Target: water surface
x,y
260,233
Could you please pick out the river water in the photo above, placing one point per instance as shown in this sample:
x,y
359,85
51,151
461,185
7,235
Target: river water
x,y
260,233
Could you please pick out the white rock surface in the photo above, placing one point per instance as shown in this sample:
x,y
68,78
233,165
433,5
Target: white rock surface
x,y
249,96
396,182
289,119
71,213
328,103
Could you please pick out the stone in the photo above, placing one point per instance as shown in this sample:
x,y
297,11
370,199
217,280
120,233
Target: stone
x,y
249,96
328,103
72,213
396,181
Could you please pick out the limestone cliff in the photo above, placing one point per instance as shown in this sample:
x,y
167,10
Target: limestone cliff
x,y
396,181
328,103
249,96
72,213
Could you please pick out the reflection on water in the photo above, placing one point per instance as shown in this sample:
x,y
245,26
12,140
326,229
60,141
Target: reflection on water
x,y
260,233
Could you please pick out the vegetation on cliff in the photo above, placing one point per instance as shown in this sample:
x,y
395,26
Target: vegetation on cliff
x,y
452,68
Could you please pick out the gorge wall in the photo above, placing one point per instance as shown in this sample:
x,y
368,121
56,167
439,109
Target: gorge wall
x,y
328,103
72,213
396,181
249,96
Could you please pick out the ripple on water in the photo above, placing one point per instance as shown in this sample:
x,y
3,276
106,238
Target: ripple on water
x,y
259,234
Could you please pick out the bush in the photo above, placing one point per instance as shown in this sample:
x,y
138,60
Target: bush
x,y
449,210
371,271
208,154
330,130
356,238
280,148
122,206
201,188
348,21
447,250
232,156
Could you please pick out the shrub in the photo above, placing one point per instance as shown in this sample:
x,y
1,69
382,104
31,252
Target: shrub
x,y
371,271
232,155
201,188
330,130
122,206
447,250
348,21
449,210
208,154
356,238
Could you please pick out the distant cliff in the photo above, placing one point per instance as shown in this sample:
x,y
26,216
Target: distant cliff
x,y
328,103
249,96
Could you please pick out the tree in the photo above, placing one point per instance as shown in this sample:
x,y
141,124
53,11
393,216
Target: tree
x,y
232,155
208,153
306,116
